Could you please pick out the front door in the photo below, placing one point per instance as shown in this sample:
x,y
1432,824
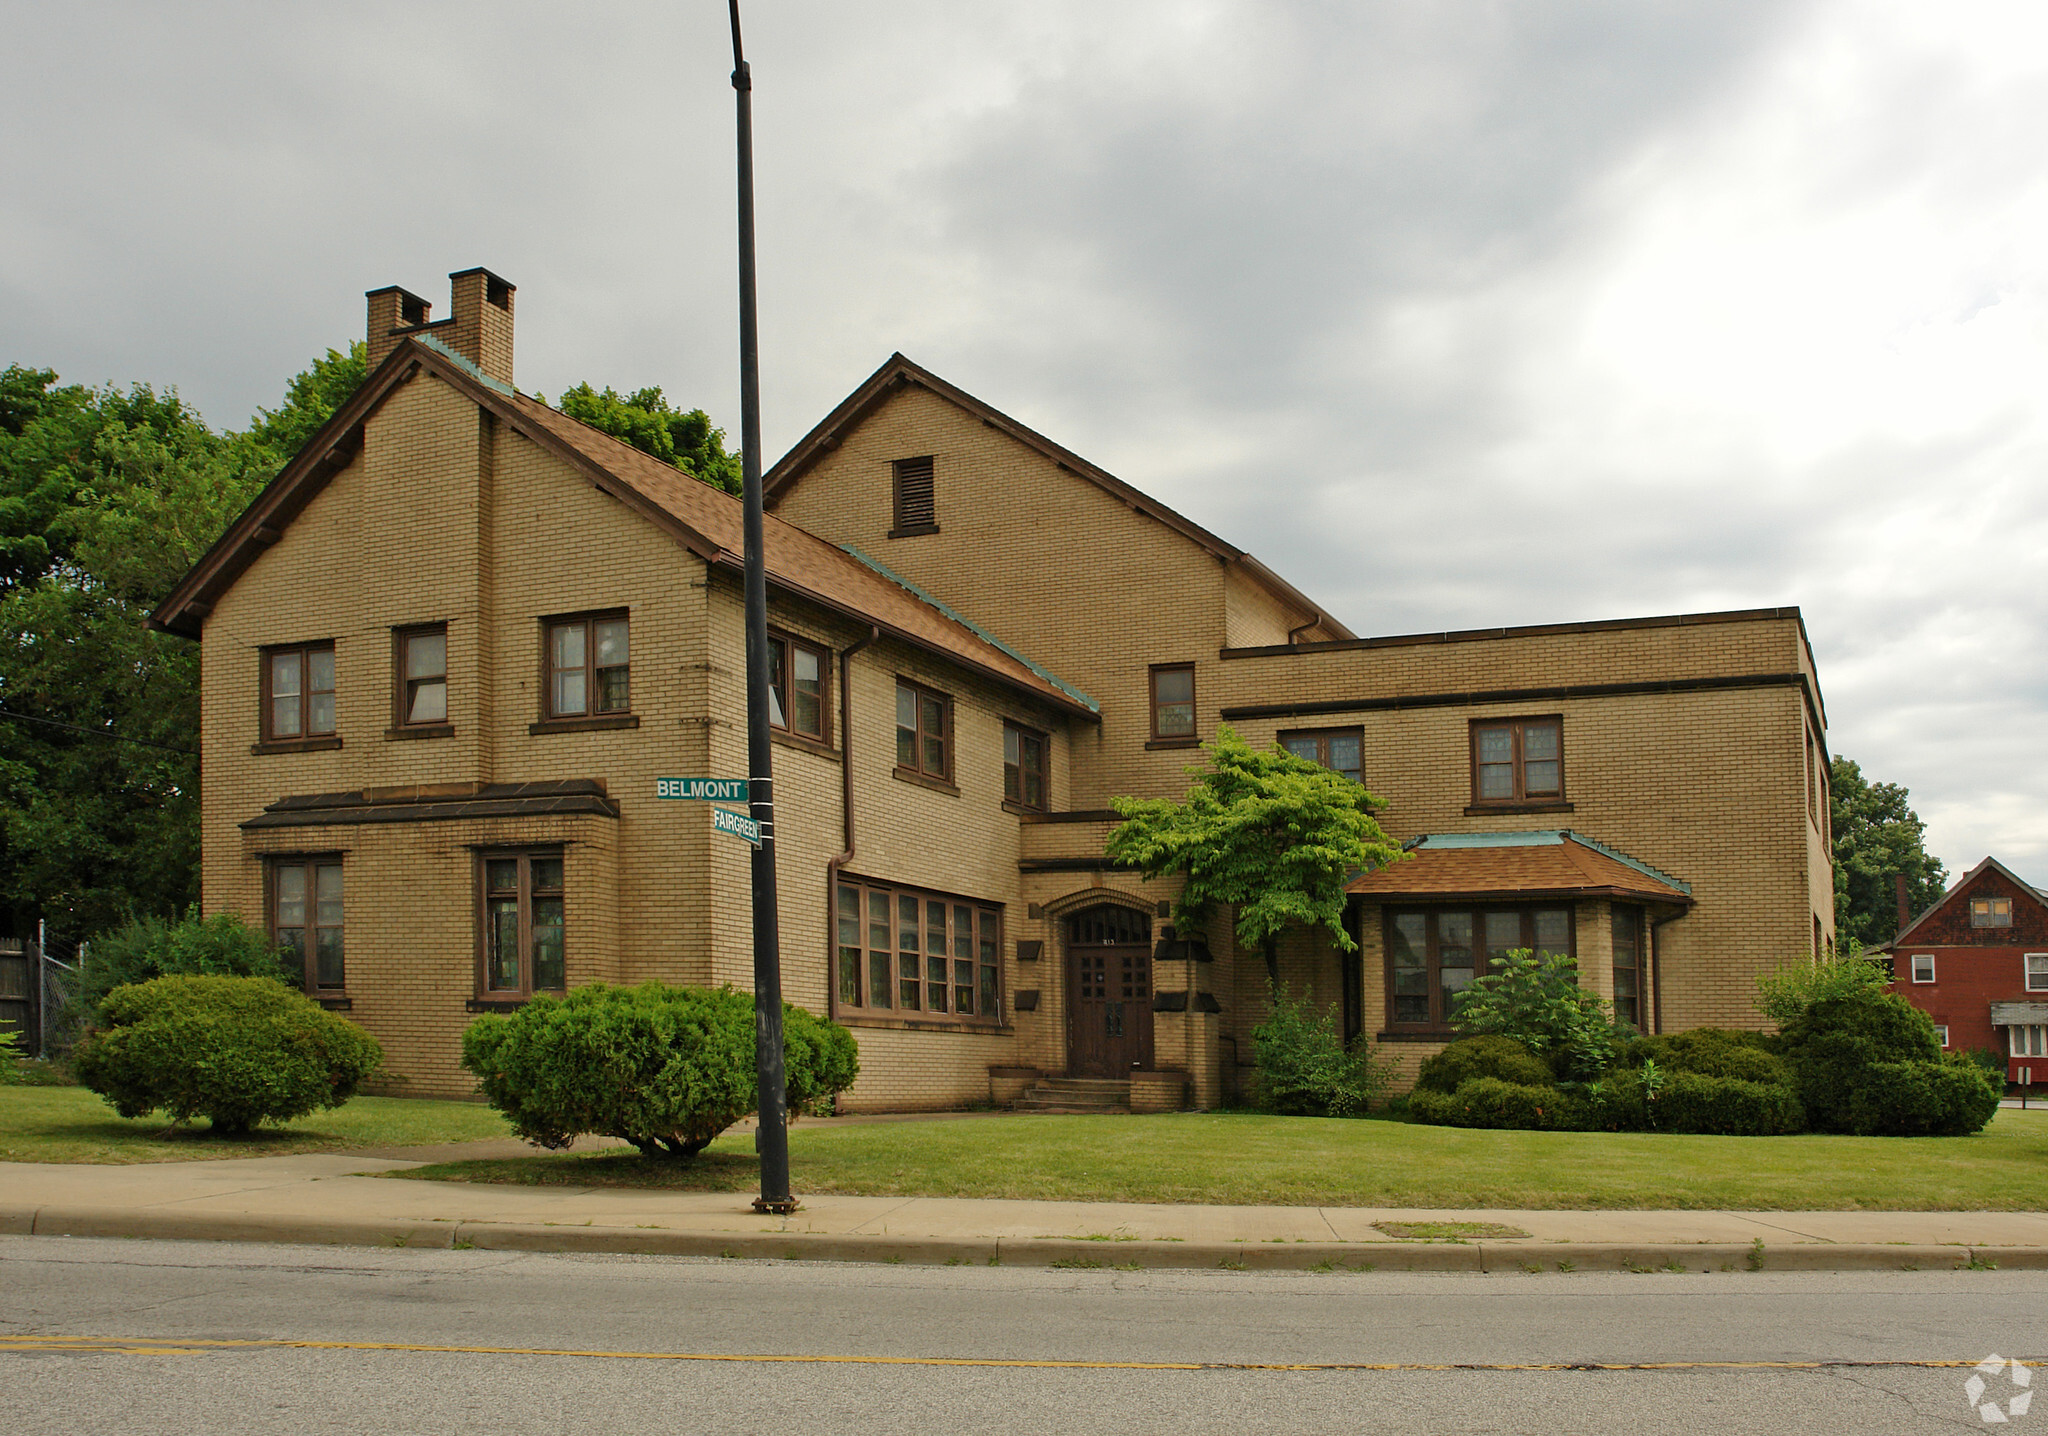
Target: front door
x,y
1109,992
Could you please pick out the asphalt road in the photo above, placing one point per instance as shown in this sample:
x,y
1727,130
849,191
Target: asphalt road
x,y
105,1336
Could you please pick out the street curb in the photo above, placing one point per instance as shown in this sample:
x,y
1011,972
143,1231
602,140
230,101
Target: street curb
x,y
1063,1253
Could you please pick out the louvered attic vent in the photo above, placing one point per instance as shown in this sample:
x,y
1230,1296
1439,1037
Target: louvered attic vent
x,y
916,510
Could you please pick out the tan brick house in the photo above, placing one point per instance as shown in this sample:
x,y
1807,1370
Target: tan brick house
x,y
450,652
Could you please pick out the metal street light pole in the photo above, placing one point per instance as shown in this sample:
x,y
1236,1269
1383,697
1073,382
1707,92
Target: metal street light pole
x,y
772,1137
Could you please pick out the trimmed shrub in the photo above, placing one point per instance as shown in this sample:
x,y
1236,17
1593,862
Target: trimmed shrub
x,y
1614,1103
10,1056
222,946
1304,1068
1950,1098
1726,1106
236,1050
1869,1062
1712,1052
1490,1102
665,1068
1489,1056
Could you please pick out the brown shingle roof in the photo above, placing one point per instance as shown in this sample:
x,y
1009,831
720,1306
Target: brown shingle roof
x,y
705,520
1546,863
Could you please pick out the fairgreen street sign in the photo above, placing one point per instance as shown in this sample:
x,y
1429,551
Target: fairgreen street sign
x,y
703,790
725,820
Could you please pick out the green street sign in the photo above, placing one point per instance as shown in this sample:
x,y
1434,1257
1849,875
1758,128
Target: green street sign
x,y
739,825
703,790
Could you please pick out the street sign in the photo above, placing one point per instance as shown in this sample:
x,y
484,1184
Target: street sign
x,y
703,790
738,824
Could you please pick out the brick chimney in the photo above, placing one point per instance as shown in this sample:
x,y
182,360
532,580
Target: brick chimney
x,y
1905,903
479,327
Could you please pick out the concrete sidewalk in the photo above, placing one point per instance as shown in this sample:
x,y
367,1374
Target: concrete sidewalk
x,y
340,1198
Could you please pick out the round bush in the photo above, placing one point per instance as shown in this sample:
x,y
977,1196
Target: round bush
x,y
237,1050
1491,1056
1950,1098
1864,1062
1712,1052
1490,1102
665,1068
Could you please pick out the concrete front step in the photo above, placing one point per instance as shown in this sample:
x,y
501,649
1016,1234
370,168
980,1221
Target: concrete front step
x,y
1077,1094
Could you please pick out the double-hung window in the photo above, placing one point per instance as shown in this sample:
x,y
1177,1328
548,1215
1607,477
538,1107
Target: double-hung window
x,y
1433,955
904,952
421,685
796,687
589,673
1173,702
522,937
298,692
1628,965
1991,912
2037,971
1923,967
306,919
1024,767
924,732
1518,760
1338,749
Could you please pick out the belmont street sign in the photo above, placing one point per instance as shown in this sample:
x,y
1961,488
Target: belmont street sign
x,y
725,820
703,790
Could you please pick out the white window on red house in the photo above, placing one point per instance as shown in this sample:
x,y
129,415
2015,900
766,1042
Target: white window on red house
x,y
1923,967
2028,1040
1941,1031
2037,972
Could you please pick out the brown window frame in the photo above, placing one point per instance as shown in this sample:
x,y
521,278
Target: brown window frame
x,y
1439,1018
588,621
782,650
1194,729
1321,738
1016,792
311,864
1518,727
303,652
1991,914
914,496
525,891
402,682
1628,917
910,994
920,736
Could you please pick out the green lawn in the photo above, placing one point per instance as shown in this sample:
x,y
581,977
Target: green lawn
x,y
70,1124
1296,1161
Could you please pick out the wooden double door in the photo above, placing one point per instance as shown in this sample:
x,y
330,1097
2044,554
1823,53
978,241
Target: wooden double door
x,y
1109,992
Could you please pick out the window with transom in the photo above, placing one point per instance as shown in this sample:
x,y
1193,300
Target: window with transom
x,y
1024,769
924,731
306,919
589,670
298,692
1338,749
902,951
522,938
1433,955
1518,760
796,687
422,680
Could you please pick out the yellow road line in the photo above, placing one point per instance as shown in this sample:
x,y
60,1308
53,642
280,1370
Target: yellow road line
x,y
150,1345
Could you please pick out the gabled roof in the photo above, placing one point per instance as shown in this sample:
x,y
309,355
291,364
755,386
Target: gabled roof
x,y
1544,863
705,521
899,372
1990,864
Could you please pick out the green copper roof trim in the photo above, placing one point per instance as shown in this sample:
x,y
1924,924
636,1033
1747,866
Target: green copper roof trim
x,y
977,630
468,366
1543,838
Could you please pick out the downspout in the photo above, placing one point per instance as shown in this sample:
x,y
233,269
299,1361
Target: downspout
x,y
846,811
1294,634
1657,971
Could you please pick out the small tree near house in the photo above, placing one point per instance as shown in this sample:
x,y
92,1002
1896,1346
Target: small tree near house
x,y
1274,836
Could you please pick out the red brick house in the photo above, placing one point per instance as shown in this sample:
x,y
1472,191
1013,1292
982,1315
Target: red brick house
x,y
1977,963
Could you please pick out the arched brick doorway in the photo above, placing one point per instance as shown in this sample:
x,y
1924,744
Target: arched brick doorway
x,y
1109,991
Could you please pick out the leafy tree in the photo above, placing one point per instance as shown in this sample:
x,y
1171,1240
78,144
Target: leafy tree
x,y
1274,836
1876,837
106,499
1786,995
646,420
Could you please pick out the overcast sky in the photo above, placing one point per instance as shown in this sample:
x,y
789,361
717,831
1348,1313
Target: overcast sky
x,y
1457,314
